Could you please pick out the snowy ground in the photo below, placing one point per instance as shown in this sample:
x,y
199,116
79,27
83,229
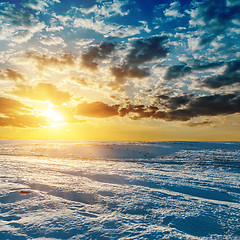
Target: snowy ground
x,y
119,190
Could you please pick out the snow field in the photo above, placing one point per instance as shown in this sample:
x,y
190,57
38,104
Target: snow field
x,y
119,190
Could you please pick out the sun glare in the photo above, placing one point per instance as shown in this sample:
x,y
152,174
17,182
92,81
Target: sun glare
x,y
52,116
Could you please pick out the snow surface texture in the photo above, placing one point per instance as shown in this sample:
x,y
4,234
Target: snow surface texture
x,y
119,190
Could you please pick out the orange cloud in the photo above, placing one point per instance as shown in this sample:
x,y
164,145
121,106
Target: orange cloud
x,y
42,92
97,110
15,113
10,74
24,120
10,106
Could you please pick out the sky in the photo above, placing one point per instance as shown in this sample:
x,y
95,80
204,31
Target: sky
x,y
120,70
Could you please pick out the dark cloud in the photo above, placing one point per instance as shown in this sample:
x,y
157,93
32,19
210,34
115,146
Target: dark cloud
x,y
206,66
97,110
88,3
90,58
230,76
140,111
184,108
143,51
205,40
10,74
17,114
42,92
174,102
120,74
124,71
146,50
181,108
207,106
177,71
215,17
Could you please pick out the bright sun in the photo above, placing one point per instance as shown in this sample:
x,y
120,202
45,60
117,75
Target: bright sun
x,y
52,116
